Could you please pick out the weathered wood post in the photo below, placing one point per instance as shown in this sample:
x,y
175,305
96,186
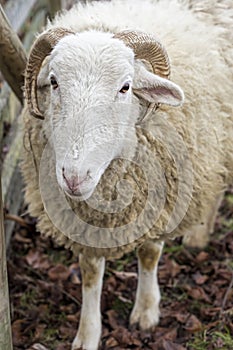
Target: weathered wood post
x,y
5,325
12,65
12,56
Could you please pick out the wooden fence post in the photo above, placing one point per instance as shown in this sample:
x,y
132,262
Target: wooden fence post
x,y
5,325
12,56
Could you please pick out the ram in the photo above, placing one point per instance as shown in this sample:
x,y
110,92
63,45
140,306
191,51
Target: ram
x,y
115,157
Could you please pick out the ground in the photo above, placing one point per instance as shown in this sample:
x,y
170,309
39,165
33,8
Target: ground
x,y
196,288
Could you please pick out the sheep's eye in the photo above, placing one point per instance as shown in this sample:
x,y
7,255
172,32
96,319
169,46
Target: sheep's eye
x,y
54,83
124,89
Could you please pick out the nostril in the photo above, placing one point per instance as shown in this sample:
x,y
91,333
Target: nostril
x,y
73,182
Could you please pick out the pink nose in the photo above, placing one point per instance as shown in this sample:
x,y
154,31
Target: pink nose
x,y
73,182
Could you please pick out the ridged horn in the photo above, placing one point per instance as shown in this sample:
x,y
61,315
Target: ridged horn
x,y
40,49
147,47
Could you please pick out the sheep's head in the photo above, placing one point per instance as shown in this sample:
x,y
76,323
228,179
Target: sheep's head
x,y
94,83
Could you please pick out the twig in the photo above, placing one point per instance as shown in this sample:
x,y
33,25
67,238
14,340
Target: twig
x,y
226,295
68,295
17,219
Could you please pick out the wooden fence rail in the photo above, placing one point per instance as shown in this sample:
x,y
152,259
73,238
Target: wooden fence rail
x,y
13,56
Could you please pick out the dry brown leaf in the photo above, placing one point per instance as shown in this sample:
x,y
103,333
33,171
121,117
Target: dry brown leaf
x,y
63,346
168,345
193,324
37,347
202,256
171,334
32,256
37,260
111,343
67,332
199,278
122,335
181,317
72,318
59,272
18,327
40,328
174,268
198,293
112,318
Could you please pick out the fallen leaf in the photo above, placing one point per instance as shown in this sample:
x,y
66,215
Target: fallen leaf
x,y
63,346
37,260
198,293
193,324
174,268
72,318
171,334
202,256
181,317
112,318
37,347
111,343
59,272
199,278
122,335
18,327
40,328
169,345
67,332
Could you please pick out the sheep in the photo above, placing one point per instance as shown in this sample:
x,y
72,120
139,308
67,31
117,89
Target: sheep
x,y
115,158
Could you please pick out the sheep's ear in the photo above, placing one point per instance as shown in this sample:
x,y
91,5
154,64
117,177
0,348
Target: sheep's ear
x,y
155,89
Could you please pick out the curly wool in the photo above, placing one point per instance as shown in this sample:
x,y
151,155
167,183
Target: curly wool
x,y
204,124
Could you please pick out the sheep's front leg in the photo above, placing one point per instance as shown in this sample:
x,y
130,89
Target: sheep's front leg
x,y
89,331
146,309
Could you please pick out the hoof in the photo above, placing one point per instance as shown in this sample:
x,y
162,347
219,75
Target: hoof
x,y
145,319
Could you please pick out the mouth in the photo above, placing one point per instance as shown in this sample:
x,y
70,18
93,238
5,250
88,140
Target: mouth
x,y
79,196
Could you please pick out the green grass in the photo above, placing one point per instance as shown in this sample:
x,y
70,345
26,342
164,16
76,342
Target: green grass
x,y
206,340
229,199
199,342
60,257
173,249
50,337
122,308
28,298
226,337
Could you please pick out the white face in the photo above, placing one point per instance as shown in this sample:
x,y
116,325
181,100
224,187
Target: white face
x,y
92,110
90,107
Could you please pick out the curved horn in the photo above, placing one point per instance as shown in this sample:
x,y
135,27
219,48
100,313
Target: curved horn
x,y
148,48
41,48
